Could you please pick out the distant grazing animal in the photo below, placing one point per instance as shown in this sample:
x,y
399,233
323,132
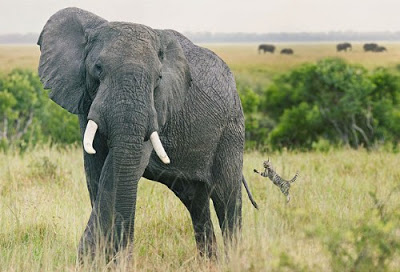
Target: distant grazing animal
x,y
266,48
380,49
284,185
287,51
370,47
343,47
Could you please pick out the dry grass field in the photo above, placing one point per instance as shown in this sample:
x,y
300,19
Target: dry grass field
x,y
18,56
44,207
241,56
253,68
343,216
243,59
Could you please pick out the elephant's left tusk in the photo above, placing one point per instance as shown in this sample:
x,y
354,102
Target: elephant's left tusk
x,y
158,148
88,137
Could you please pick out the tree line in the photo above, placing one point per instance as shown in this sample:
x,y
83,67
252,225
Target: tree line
x,y
316,105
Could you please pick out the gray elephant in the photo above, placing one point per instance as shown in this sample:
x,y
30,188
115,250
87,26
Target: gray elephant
x,y
151,104
379,49
370,46
287,51
343,47
266,48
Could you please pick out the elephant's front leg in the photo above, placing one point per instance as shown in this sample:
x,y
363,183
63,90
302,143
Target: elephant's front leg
x,y
91,239
109,230
93,163
111,225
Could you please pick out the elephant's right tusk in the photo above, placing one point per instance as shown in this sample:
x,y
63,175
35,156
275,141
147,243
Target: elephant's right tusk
x,y
158,148
88,137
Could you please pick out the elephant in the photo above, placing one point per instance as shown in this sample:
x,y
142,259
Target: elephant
x,y
287,51
343,47
150,104
266,48
379,49
370,47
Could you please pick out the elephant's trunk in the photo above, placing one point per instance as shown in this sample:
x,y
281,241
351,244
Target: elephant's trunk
x,y
125,164
128,167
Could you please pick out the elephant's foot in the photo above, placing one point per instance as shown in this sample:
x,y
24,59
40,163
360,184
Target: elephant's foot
x,y
207,249
97,248
87,247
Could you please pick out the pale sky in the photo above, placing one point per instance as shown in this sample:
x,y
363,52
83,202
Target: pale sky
x,y
260,16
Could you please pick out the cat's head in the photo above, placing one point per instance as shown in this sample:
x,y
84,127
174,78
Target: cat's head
x,y
267,164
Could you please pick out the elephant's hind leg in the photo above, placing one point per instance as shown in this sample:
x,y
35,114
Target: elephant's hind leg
x,y
227,176
196,198
228,206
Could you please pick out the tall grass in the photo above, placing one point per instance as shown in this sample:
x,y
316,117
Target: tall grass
x,y
44,207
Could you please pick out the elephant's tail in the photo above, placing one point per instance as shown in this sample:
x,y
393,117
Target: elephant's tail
x,y
249,193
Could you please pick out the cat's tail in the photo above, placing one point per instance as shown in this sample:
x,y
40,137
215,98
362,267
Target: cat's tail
x,y
294,178
249,193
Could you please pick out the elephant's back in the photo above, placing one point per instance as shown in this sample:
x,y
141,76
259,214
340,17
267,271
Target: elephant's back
x,y
212,79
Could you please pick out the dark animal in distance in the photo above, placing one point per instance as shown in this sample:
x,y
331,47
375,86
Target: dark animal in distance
x,y
150,104
284,185
343,47
370,47
380,49
287,51
266,48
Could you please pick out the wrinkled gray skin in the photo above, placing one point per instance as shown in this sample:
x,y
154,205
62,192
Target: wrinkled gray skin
x,y
266,48
133,80
343,47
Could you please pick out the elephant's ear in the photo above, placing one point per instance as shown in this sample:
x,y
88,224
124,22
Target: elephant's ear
x,y
175,73
62,45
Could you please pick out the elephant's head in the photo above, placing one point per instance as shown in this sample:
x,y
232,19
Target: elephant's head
x,y
123,76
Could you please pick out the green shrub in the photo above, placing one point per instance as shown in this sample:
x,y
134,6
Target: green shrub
x,y
257,124
28,116
336,101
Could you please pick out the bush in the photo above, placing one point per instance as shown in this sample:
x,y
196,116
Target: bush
x,y
336,101
28,116
257,124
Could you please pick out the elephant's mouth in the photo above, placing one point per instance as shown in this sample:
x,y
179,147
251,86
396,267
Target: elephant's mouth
x,y
90,132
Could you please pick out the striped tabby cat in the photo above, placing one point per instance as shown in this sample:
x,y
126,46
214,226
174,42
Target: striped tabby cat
x,y
284,185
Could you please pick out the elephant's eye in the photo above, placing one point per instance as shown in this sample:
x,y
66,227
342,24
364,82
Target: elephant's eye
x,y
161,54
98,70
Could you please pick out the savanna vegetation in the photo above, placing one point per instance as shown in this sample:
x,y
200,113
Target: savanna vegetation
x,y
317,98
332,116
